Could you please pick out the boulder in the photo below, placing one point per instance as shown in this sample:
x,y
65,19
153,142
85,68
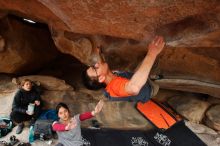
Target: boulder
x,y
191,107
6,103
113,115
213,117
6,86
200,128
206,134
48,82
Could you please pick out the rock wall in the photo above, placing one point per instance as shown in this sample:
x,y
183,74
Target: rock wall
x,y
24,48
190,61
123,29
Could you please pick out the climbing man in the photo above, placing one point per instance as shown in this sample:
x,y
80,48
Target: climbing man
x,y
125,86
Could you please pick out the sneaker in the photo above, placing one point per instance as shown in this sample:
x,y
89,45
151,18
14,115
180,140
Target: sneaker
x,y
3,143
20,128
154,88
24,144
95,124
13,140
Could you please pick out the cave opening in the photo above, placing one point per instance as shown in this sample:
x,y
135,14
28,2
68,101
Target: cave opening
x,y
33,42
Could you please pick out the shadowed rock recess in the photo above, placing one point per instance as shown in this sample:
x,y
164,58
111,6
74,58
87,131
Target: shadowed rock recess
x,y
52,42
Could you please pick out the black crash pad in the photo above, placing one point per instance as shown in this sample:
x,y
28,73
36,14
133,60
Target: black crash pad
x,y
177,135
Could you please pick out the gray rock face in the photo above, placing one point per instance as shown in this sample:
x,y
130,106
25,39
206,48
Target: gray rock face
x,y
7,91
190,107
209,136
6,100
213,117
200,128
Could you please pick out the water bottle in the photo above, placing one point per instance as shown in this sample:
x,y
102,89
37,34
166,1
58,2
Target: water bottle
x,y
31,134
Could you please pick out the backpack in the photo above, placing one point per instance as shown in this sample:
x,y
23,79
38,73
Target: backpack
x,y
43,126
6,126
43,129
50,114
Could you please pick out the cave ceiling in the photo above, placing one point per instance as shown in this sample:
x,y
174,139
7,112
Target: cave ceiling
x,y
191,29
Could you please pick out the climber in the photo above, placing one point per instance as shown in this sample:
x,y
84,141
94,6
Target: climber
x,y
125,86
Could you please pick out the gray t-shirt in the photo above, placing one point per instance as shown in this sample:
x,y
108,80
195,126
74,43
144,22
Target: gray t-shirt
x,y
72,137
